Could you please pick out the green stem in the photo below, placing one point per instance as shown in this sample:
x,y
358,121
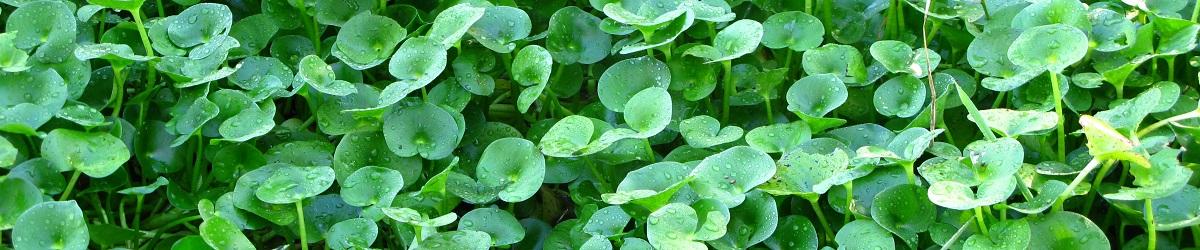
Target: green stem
x,y
604,186
889,20
986,13
787,59
1024,190
100,206
974,113
1087,204
1150,227
161,11
770,113
667,50
141,28
151,73
100,35
1170,68
70,185
980,222
311,26
1091,165
1004,209
937,26
121,213
308,122
821,218
1164,122
827,11
849,201
727,93
909,172
1196,228
197,163
300,217
33,148
946,131
900,16
159,231
417,237
1195,13
1058,110
649,150
508,59
137,212
957,234
118,93
808,7
1121,234
999,100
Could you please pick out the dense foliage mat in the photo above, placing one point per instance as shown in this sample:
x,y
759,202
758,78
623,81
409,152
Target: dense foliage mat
x,y
599,124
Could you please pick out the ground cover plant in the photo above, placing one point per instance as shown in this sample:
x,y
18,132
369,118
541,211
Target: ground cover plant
x,y
599,124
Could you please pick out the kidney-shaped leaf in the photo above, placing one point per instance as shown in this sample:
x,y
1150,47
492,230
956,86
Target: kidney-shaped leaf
x,y
42,22
644,13
371,185
649,111
626,78
199,24
499,27
416,63
1160,179
840,60
567,136
462,239
673,227
737,39
864,234
357,233
451,24
532,66
366,40
728,175
904,210
903,96
514,164
19,194
51,225
503,228
221,233
750,223
1014,123
795,30
704,131
810,175
320,76
29,99
574,36
97,154
651,186
816,95
290,184
119,4
1006,235
422,129
607,221
1049,47
776,138
1065,230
